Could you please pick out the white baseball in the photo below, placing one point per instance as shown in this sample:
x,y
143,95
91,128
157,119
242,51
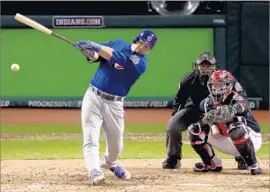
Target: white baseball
x,y
15,67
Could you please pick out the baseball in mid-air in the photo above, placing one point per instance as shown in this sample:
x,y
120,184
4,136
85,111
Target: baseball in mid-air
x,y
15,67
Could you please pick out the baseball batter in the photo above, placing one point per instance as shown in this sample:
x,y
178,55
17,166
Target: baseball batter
x,y
121,65
233,130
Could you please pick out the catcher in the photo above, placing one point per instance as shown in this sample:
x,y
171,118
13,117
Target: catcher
x,y
192,90
232,128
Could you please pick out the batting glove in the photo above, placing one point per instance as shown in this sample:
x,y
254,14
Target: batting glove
x,y
88,45
84,44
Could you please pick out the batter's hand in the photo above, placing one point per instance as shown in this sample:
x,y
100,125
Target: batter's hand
x,y
89,53
84,44
85,47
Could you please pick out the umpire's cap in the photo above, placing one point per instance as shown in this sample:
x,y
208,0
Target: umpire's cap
x,y
148,37
206,56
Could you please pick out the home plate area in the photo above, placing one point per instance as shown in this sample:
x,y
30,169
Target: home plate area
x,y
147,175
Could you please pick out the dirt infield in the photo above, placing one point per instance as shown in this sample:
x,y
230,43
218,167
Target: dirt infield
x,y
70,175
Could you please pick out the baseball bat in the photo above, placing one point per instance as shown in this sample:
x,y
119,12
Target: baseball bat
x,y
27,21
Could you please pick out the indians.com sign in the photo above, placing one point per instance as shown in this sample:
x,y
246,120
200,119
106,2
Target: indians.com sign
x,y
78,21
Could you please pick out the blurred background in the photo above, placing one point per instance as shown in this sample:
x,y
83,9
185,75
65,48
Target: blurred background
x,y
54,75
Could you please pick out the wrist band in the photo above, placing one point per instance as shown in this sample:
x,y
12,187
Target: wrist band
x,y
95,46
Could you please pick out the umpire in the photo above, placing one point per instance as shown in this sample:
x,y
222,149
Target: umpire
x,y
192,90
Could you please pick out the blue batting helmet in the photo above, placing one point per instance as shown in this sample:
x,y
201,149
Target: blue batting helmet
x,y
148,37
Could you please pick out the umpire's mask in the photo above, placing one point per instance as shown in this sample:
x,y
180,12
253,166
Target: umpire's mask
x,y
205,64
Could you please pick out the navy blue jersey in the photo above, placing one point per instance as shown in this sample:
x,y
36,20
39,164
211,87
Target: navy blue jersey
x,y
119,74
236,100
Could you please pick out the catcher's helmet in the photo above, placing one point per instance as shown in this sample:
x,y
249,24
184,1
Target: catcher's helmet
x,y
148,37
205,64
220,85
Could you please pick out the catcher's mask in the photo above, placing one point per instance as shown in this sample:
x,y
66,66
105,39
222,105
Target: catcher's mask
x,y
205,64
220,85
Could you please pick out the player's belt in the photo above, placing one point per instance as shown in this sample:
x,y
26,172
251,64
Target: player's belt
x,y
107,96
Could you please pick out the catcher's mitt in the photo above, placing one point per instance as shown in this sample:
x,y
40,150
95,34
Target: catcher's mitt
x,y
222,114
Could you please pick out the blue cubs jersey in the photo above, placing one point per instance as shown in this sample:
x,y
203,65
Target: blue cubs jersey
x,y
119,74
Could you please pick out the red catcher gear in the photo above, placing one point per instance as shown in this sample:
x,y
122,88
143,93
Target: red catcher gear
x,y
220,85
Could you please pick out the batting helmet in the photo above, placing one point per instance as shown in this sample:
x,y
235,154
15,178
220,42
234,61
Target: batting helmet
x,y
148,37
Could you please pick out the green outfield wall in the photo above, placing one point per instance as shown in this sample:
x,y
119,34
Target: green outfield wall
x,y
51,68
55,75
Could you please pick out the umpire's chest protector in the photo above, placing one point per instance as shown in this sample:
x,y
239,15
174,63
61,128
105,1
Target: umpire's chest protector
x,y
198,91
